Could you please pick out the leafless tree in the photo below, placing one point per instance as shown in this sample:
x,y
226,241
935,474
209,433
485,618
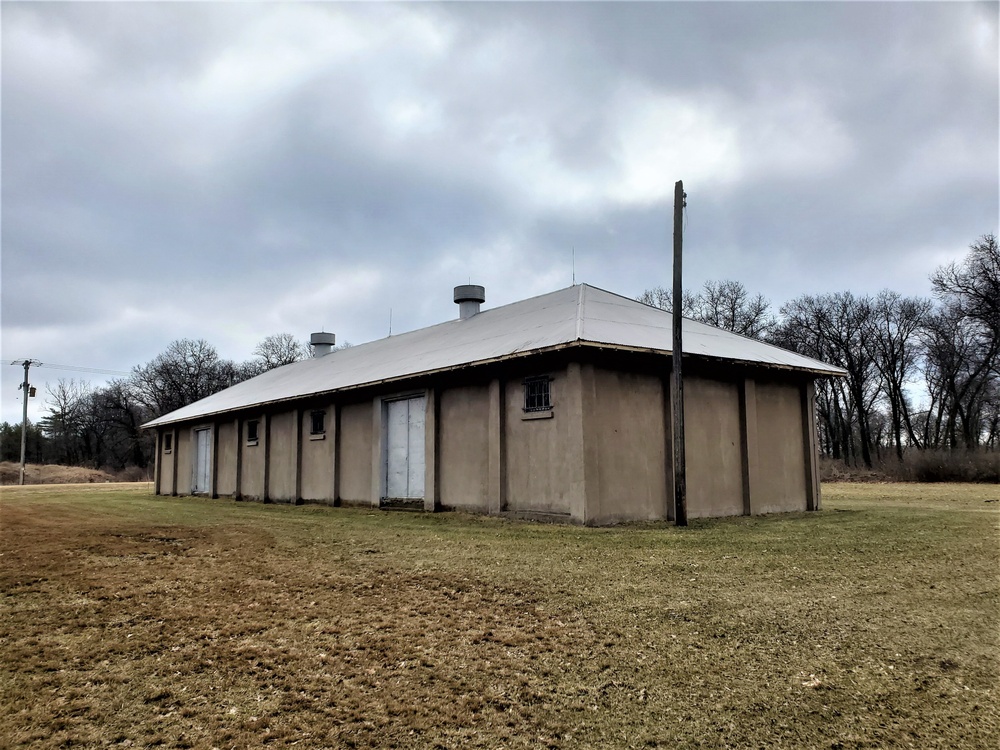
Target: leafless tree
x,y
64,421
662,298
835,328
963,347
728,305
724,304
280,349
187,371
974,284
894,341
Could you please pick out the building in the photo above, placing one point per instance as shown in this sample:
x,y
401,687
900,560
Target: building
x,y
554,407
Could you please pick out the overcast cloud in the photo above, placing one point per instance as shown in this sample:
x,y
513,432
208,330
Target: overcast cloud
x,y
229,171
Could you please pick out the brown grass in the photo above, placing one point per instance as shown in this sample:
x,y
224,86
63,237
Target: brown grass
x,y
10,473
138,621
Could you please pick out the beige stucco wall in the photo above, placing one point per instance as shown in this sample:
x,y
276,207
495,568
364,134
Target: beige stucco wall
x,y
544,466
317,458
463,458
355,459
283,456
780,448
252,473
602,455
712,447
167,465
182,454
226,459
626,439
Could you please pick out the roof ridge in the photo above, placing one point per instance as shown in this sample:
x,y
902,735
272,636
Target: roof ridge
x,y
579,312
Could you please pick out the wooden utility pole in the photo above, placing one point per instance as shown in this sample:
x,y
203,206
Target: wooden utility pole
x,y
26,388
680,471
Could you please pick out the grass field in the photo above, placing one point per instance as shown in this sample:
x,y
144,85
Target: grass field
x,y
134,621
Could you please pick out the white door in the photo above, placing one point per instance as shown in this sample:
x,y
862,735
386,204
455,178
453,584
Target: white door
x,y
202,460
404,439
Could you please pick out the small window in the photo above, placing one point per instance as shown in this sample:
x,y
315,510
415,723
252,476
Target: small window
x,y
252,436
536,394
318,423
168,442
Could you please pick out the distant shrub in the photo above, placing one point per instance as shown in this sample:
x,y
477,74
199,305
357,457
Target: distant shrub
x,y
920,466
134,474
953,466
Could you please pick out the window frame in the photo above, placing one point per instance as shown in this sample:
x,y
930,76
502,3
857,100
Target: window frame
x,y
321,415
537,394
253,431
168,442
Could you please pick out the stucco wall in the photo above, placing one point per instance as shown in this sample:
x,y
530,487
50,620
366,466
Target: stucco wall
x,y
182,454
544,464
252,475
625,436
167,465
463,458
226,460
600,456
355,459
780,448
317,458
712,447
282,456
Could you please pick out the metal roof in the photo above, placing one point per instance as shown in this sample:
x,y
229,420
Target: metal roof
x,y
579,315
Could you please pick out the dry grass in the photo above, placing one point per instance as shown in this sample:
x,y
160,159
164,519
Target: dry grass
x,y
136,621
10,473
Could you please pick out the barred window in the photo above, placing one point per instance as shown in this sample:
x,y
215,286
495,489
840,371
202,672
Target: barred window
x,y
318,423
537,396
252,431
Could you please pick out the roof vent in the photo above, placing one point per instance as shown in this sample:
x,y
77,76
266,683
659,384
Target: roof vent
x,y
469,297
322,343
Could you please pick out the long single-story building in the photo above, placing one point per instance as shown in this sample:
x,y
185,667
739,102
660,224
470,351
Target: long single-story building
x,y
554,407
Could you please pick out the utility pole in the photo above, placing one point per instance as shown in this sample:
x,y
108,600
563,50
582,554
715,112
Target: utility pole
x,y
27,391
680,470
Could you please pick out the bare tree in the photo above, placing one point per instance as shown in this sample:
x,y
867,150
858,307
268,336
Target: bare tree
x,y
64,422
728,305
662,298
963,346
894,342
280,349
187,371
960,373
835,328
724,304
974,284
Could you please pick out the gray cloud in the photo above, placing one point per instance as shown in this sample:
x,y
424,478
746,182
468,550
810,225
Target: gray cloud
x,y
226,171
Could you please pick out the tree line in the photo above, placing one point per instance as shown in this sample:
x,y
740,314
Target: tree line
x,y
947,345
102,427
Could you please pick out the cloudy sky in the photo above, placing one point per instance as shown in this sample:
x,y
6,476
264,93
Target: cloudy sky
x,y
228,171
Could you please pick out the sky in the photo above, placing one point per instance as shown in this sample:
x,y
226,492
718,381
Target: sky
x,y
227,171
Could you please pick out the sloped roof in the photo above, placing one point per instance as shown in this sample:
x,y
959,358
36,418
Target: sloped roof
x,y
579,315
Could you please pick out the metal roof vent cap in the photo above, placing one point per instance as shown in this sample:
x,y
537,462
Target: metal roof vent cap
x,y
469,297
322,343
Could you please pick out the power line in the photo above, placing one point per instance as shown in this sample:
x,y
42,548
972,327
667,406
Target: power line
x,y
74,368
